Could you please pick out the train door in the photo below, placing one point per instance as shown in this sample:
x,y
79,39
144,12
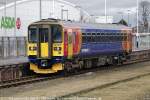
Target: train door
x,y
44,41
76,41
68,43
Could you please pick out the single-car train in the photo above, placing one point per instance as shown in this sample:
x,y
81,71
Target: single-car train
x,y
55,45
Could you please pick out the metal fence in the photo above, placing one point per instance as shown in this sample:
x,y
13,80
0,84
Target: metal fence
x,y
12,47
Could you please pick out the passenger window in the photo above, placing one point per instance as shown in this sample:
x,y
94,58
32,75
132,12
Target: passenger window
x,y
33,35
98,34
56,33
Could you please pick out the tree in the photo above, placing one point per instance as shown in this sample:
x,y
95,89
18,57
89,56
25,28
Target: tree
x,y
144,14
123,22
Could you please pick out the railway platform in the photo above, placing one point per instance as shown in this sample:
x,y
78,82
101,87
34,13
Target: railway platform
x,y
13,57
12,68
12,50
13,61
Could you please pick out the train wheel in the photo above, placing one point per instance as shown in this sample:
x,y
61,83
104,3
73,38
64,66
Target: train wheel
x,y
64,73
88,64
68,67
81,64
95,62
109,61
26,70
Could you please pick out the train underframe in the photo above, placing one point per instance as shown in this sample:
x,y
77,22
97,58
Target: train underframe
x,y
78,63
119,59
91,62
17,71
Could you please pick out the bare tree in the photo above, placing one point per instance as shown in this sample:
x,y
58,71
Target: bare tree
x,y
145,14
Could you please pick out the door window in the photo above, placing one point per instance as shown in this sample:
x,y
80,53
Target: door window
x,y
43,35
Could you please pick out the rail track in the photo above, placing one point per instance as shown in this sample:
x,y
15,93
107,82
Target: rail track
x,y
38,78
25,80
84,91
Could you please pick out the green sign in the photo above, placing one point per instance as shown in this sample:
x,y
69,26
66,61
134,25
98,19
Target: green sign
x,y
7,22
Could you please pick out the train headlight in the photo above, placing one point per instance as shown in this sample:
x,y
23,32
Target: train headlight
x,y
57,48
44,63
32,48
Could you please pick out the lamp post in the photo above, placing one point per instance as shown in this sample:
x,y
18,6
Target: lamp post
x,y
106,11
62,12
53,10
129,17
15,14
5,14
137,33
40,9
137,17
121,13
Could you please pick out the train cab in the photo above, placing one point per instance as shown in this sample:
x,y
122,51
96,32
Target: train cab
x,y
45,47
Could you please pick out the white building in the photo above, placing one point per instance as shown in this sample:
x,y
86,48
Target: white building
x,y
15,22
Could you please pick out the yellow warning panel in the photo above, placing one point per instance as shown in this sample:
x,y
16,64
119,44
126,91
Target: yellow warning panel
x,y
44,50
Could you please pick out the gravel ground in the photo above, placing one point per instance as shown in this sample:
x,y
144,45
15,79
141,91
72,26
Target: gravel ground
x,y
145,96
133,90
64,86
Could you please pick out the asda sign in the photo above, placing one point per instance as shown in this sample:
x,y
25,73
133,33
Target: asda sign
x,y
10,23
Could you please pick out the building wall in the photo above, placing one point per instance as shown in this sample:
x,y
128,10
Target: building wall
x,y
28,11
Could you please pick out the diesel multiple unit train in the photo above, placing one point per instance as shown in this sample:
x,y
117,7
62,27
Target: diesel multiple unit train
x,y
55,45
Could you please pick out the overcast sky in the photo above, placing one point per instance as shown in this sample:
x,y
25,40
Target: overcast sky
x,y
97,7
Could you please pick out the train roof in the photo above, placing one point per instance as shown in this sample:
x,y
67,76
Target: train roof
x,y
73,24
96,26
